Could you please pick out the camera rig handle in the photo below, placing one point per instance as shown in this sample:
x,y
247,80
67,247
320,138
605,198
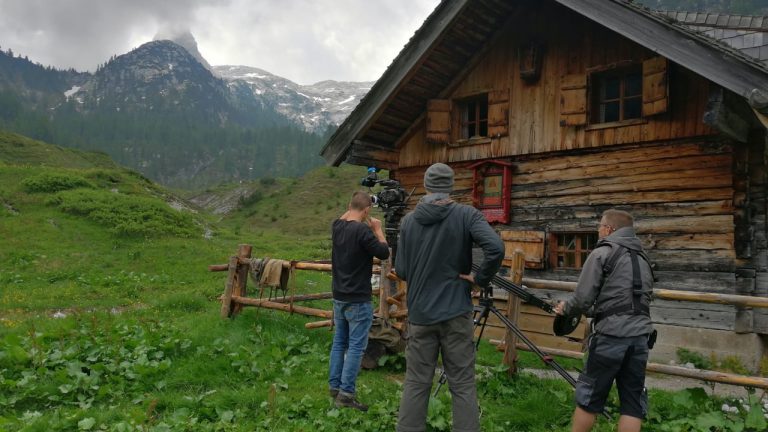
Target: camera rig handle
x,y
519,291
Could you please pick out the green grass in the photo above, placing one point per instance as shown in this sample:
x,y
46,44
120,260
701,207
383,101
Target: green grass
x,y
106,330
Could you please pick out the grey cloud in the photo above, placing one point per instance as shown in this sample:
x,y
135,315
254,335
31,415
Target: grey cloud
x,y
303,40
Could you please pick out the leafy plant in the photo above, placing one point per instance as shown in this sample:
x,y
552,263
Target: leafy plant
x,y
696,359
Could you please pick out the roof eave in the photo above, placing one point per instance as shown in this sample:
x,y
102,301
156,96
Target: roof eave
x,y
335,151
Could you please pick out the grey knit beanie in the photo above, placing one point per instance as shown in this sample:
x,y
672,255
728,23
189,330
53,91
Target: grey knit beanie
x,y
439,178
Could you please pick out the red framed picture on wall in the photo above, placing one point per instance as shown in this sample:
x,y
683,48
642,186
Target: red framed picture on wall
x,y
492,189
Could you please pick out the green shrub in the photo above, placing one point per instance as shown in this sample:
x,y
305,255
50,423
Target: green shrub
x,y
698,360
127,215
54,182
267,181
250,199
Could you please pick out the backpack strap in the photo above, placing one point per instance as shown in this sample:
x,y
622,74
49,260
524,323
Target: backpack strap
x,y
635,305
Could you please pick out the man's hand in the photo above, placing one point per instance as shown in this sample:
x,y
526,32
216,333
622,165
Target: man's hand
x,y
375,225
559,308
471,279
468,277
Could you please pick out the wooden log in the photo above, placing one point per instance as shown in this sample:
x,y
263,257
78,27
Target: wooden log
x,y
702,374
302,310
226,300
513,313
384,287
304,297
665,294
400,313
726,299
241,276
298,265
319,324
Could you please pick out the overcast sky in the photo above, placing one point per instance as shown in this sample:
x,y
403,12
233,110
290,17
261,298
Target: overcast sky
x,y
303,40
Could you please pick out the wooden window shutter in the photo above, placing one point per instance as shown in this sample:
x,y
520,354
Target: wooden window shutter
x,y
439,121
498,113
530,242
573,100
655,86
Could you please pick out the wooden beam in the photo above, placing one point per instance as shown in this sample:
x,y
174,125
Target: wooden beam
x,y
720,116
701,374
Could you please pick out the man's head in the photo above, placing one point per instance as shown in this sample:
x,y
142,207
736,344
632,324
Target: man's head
x,y
612,220
360,202
438,178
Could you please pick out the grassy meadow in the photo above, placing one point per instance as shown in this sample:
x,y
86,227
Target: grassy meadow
x,y
109,318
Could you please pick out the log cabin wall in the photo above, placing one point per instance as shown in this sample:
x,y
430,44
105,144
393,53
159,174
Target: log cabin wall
x,y
572,46
681,194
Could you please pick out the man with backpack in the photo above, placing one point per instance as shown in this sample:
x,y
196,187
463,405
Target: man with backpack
x,y
617,281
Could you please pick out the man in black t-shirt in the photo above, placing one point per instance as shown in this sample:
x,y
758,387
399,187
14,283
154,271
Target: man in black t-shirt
x,y
357,238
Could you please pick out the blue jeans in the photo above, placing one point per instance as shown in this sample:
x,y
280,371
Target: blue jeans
x,y
353,322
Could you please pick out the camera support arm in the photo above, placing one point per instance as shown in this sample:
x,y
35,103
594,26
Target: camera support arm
x,y
519,291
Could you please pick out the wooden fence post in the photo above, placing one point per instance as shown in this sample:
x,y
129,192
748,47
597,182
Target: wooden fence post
x,y
226,299
513,312
385,287
241,276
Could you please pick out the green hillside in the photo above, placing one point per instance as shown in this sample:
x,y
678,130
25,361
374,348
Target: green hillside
x,y
19,150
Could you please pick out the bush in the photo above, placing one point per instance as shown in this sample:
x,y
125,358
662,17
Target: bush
x,y
250,199
267,181
127,215
699,361
54,182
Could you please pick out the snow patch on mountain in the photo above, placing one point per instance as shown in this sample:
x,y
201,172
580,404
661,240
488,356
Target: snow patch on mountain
x,y
314,106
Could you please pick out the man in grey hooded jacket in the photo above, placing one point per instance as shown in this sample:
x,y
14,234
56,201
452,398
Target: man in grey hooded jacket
x,y
617,280
435,257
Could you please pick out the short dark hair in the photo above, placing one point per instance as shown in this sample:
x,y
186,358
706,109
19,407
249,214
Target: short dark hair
x,y
618,218
360,201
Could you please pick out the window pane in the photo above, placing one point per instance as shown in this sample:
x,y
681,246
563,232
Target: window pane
x,y
633,85
611,87
471,130
484,128
610,112
471,107
569,261
483,110
633,108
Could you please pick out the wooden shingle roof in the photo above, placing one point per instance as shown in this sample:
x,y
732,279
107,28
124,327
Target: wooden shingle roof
x,y
746,33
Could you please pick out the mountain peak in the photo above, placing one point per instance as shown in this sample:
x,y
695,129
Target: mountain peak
x,y
184,38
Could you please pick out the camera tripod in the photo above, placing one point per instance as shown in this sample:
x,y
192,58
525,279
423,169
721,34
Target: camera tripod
x,y
486,307
481,313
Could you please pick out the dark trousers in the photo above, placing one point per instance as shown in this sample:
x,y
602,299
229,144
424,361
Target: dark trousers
x,y
453,340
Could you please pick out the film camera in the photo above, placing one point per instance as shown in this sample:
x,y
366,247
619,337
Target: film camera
x,y
391,197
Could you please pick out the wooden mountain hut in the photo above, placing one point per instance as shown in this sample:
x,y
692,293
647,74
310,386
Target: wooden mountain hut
x,y
552,111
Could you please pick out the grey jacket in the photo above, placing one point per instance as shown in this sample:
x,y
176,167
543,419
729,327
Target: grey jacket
x,y
435,246
613,290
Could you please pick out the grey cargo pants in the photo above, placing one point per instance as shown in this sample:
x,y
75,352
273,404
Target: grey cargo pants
x,y
453,340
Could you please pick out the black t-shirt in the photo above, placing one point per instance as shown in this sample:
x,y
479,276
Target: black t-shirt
x,y
354,246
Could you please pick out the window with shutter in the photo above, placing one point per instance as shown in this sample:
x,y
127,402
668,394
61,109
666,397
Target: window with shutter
x,y
617,95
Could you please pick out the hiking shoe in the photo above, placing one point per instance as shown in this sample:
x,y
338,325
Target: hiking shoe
x,y
346,400
334,392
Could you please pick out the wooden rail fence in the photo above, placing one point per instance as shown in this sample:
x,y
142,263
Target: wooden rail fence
x,y
393,307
